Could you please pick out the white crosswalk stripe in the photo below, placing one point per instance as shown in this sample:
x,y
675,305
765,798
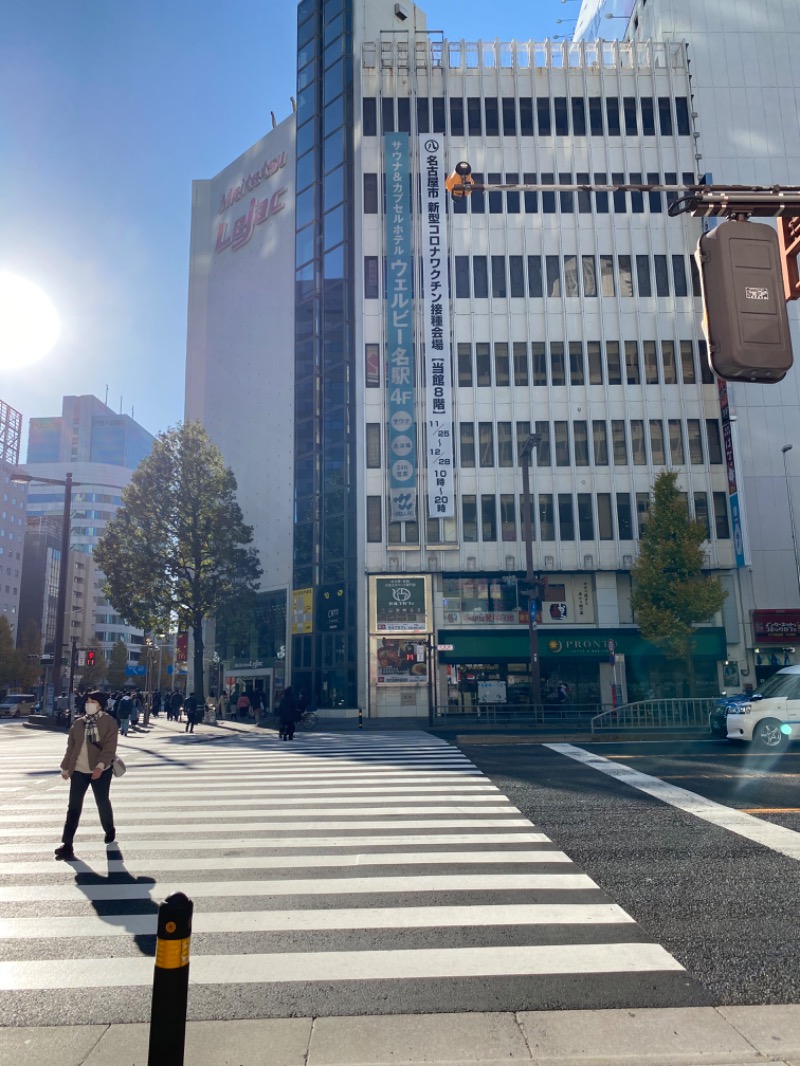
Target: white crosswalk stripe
x,y
383,865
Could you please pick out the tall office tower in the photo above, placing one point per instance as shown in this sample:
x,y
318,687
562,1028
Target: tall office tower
x,y
101,449
429,339
12,517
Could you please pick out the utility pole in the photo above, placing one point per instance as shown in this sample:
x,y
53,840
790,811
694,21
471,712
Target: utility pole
x,y
526,458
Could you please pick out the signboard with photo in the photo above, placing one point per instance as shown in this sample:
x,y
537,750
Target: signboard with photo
x,y
400,605
398,662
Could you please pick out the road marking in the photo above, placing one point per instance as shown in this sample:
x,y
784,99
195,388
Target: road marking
x,y
770,810
347,966
776,837
309,887
210,922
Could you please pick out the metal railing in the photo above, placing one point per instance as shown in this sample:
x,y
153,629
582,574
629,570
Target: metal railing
x,y
656,714
555,715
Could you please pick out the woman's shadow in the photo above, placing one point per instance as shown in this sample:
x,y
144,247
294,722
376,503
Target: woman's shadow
x,y
138,915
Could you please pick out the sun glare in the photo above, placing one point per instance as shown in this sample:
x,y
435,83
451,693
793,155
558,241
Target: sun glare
x,y
29,325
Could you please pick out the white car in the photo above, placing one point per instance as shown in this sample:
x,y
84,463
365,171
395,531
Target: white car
x,y
772,716
17,704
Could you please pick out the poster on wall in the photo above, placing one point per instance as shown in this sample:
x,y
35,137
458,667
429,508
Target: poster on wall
x,y
399,662
331,608
399,332
437,356
400,605
302,611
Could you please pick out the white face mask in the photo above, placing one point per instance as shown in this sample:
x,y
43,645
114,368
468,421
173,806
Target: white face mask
x,y
92,707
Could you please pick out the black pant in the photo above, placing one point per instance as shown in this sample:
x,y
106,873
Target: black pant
x,y
189,725
78,785
287,728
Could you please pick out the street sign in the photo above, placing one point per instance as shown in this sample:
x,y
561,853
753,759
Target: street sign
x,y
445,647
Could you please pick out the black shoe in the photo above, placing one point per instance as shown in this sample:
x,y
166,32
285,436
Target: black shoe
x,y
64,852
110,837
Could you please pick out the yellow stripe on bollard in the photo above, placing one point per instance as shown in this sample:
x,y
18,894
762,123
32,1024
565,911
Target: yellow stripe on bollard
x,y
172,954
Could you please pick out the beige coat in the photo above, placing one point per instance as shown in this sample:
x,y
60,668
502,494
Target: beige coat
x,y
107,730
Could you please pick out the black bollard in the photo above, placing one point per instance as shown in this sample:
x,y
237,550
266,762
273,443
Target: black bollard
x,y
170,982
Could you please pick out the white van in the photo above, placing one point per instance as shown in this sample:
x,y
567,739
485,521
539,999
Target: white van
x,y
772,716
18,704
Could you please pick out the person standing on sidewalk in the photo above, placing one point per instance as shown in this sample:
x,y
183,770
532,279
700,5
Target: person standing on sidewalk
x,y
176,702
191,712
287,714
91,746
124,707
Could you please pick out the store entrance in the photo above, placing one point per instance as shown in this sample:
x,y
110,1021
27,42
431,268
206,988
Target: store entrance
x,y
573,681
257,684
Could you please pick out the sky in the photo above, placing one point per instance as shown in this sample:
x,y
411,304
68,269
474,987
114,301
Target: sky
x,y
108,110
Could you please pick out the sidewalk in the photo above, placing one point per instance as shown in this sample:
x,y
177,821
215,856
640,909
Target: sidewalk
x,y
695,1036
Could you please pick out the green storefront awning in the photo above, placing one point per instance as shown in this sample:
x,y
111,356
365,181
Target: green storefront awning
x,y
498,646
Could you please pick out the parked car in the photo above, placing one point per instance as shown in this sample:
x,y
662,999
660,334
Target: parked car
x,y
769,718
18,704
718,719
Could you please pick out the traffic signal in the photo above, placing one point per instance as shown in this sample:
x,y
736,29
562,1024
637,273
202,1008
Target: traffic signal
x,y
90,659
745,323
461,176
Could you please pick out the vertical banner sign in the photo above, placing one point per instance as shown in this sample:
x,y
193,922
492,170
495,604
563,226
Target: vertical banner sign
x,y
436,332
399,337
730,468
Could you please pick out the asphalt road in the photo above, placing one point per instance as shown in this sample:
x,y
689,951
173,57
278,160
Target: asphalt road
x,y
725,907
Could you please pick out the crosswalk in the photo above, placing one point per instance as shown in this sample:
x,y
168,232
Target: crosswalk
x,y
340,874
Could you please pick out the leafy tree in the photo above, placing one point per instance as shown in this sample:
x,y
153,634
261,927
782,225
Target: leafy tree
x,y
178,547
670,596
9,663
92,676
117,664
29,650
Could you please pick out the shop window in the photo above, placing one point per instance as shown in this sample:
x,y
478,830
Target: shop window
x,y
605,524
557,372
501,364
499,286
585,516
600,443
679,279
642,510
566,517
526,116
539,361
467,445
632,373
638,453
535,284
469,518
665,116
687,363
676,442
456,116
701,512
488,518
474,116
480,277
374,519
657,442
613,363
650,362
516,276
543,116
668,363
543,458
581,442
612,116
530,196
483,364
578,116
695,441
505,449
714,442
509,117
625,275
465,366
547,522
618,442
561,433
486,443
373,446
508,517
576,370
721,524
589,271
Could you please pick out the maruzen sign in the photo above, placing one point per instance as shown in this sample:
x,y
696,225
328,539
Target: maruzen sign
x,y
235,235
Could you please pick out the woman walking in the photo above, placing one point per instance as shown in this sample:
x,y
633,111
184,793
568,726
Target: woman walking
x,y
91,746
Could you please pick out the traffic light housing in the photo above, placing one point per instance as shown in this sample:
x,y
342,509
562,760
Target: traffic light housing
x,y
745,322
90,658
461,176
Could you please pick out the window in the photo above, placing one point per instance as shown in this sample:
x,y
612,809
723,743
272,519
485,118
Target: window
x,y
648,117
601,198
526,116
589,271
679,279
548,198
456,116
585,516
687,363
560,113
387,114
462,277
714,442
474,116
465,366
467,445
643,280
495,198
631,127
578,116
571,287
369,117
706,374
642,509
576,371
624,516
613,363
553,275
490,111
557,373
697,288
595,363
662,275
695,441
423,115
505,448
542,429
637,198
371,277
721,516
665,116
531,516
562,443
370,194
581,441
438,114
531,197
625,275
520,363
499,288
509,117
612,117
618,442
501,367
701,512
488,518
596,115
676,442
469,518
605,524
543,116
566,517
508,517
373,446
668,363
480,277
547,521
566,198
403,114
657,442
535,285
650,362
517,276
539,358
637,442
682,115
486,443
523,432
374,519
483,364
632,372
478,199
607,287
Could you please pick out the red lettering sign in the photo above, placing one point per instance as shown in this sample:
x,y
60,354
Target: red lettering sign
x,y
776,627
252,181
260,211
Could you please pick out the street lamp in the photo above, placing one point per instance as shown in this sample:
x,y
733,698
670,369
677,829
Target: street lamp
x,y
787,448
525,458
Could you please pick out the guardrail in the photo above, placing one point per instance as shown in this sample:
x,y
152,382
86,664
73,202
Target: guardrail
x,y
656,714
539,714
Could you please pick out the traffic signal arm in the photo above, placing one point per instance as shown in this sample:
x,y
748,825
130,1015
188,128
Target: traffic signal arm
x,y
789,237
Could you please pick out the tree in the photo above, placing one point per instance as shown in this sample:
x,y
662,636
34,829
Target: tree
x,y
670,596
29,651
178,547
9,664
117,665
